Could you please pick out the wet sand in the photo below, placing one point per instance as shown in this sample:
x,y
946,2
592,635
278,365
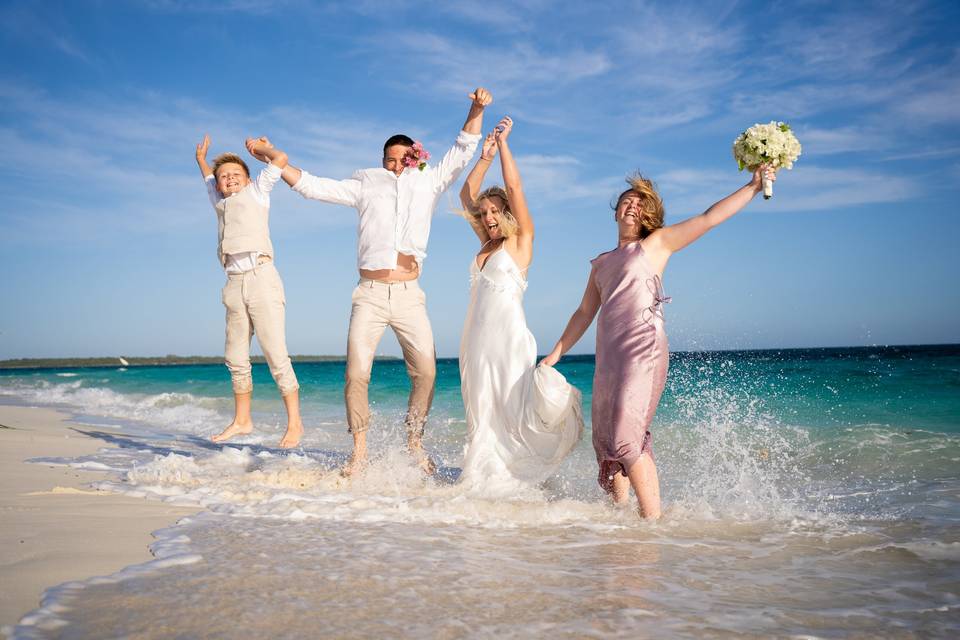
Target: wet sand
x,y
53,527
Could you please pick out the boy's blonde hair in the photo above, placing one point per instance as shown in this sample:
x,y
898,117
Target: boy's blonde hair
x,y
508,224
651,206
226,158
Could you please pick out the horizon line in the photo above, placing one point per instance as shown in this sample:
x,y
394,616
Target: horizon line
x,y
173,359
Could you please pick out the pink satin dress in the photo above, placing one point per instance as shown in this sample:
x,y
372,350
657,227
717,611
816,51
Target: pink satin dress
x,y
631,361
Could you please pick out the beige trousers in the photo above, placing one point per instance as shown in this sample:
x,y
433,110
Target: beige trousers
x,y
255,304
401,306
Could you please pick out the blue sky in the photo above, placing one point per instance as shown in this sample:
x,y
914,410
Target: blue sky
x,y
109,241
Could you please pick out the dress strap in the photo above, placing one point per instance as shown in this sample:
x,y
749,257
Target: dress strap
x,y
488,242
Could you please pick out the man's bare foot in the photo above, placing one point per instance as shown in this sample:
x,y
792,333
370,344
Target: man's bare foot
x,y
356,465
423,460
235,429
292,437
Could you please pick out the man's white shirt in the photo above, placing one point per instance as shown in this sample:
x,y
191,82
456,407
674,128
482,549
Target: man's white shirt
x,y
395,212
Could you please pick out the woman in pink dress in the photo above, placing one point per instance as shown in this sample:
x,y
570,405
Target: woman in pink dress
x,y
632,354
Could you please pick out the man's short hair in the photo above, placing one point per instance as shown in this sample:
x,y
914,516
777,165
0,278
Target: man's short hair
x,y
406,141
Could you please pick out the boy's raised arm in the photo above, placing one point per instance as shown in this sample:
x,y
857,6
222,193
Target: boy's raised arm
x,y
261,149
258,147
205,172
264,151
202,149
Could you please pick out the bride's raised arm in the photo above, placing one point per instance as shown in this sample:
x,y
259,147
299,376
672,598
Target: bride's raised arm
x,y
515,197
471,186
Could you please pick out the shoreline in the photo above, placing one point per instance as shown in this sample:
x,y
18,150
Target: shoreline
x,y
115,362
112,362
56,529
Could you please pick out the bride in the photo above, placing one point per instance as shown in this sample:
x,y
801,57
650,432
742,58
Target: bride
x,y
521,419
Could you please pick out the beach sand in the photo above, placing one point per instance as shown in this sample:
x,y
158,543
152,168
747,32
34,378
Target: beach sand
x,y
53,527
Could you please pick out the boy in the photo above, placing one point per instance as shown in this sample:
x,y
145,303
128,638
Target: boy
x,y
253,295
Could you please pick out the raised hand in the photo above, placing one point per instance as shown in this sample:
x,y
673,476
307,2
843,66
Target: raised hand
x,y
757,180
202,149
503,129
256,147
489,149
481,97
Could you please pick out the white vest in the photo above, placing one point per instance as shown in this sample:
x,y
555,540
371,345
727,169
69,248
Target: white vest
x,y
243,225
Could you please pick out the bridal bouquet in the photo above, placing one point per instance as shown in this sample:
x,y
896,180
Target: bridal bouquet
x,y
773,144
417,157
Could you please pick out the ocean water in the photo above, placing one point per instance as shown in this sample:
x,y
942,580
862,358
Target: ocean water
x,y
807,493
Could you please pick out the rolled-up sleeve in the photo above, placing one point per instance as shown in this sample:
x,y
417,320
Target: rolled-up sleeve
x,y
455,160
345,192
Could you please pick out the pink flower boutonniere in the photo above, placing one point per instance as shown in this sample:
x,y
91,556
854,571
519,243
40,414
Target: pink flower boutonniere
x,y
417,157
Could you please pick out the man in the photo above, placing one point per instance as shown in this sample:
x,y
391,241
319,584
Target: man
x,y
395,204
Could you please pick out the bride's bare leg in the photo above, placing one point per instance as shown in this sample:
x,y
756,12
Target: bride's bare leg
x,y
242,422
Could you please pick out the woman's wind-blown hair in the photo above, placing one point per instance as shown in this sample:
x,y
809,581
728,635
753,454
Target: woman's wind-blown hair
x,y
651,206
508,224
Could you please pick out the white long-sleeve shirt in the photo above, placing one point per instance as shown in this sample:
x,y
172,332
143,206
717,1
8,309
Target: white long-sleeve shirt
x,y
394,211
261,187
260,190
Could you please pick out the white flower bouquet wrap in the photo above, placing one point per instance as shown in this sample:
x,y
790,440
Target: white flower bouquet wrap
x,y
772,144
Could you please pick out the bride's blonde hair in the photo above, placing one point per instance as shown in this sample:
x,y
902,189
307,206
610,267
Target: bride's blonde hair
x,y
508,224
651,206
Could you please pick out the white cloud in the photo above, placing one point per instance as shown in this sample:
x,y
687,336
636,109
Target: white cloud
x,y
841,44
449,67
666,33
689,191
822,141
552,179
936,104
924,154
112,167
644,119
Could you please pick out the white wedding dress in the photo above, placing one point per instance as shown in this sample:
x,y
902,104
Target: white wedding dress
x,y
522,420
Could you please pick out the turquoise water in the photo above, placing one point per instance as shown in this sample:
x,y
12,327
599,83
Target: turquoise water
x,y
813,493
910,387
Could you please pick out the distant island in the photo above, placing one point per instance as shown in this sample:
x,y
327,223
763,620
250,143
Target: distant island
x,y
147,361
813,353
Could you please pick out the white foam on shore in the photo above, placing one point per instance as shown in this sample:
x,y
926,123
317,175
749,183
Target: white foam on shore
x,y
735,462
746,514
177,412
242,482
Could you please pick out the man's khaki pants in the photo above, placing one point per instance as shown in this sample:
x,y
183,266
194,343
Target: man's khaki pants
x,y
256,304
402,307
